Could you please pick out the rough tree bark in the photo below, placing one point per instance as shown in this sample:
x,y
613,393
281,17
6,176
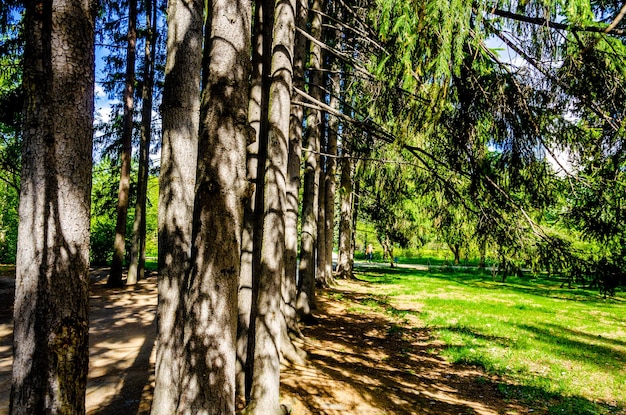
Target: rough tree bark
x,y
50,343
344,262
181,109
331,169
266,372
289,285
320,275
115,278
210,297
310,193
252,226
136,269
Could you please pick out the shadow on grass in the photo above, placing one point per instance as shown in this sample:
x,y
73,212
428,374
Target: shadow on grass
x,y
555,404
393,368
538,285
578,345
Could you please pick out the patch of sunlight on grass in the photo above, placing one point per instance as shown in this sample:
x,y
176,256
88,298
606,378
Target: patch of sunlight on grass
x,y
565,345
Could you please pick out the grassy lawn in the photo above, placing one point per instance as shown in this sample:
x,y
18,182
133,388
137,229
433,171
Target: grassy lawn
x,y
566,347
152,264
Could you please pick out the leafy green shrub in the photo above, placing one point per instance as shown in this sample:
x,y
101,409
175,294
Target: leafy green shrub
x,y
102,237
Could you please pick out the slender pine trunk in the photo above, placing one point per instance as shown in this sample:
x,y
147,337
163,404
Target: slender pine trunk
x,y
355,208
136,269
253,224
320,276
119,248
289,286
330,173
344,263
311,145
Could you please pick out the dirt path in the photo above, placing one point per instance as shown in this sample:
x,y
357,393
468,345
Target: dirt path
x,y
359,363
365,363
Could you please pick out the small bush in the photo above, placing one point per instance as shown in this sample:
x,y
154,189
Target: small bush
x,y
102,237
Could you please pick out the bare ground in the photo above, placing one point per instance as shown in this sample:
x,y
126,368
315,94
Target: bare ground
x,y
358,363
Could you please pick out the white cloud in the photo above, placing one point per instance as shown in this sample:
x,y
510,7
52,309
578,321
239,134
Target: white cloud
x,y
103,111
99,93
560,160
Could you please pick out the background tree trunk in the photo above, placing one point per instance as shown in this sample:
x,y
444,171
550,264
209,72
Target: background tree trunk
x,y
344,264
181,109
321,278
310,194
119,248
136,268
455,248
331,169
355,207
289,287
482,249
51,320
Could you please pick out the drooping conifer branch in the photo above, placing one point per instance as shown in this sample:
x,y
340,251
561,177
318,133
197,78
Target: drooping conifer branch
x,y
344,57
539,21
592,106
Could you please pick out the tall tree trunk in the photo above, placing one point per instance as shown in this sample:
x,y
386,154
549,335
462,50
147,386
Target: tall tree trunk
x,y
266,373
388,247
252,227
138,250
210,324
321,278
482,249
455,248
115,279
344,264
289,285
310,194
51,312
331,170
244,298
181,109
385,242
355,207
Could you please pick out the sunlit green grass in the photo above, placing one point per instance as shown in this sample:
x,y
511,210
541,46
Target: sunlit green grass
x,y
566,347
152,264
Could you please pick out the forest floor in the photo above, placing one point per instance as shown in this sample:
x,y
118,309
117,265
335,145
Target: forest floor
x,y
357,362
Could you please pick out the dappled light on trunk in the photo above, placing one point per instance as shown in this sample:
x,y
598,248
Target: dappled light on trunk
x,y
181,111
51,320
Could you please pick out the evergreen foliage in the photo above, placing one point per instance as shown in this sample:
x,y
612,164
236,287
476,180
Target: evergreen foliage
x,y
11,103
488,132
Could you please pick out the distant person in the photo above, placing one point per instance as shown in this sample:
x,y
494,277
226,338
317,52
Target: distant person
x,y
369,252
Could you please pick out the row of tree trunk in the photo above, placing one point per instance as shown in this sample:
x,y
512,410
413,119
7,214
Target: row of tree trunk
x,y
232,288
136,268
